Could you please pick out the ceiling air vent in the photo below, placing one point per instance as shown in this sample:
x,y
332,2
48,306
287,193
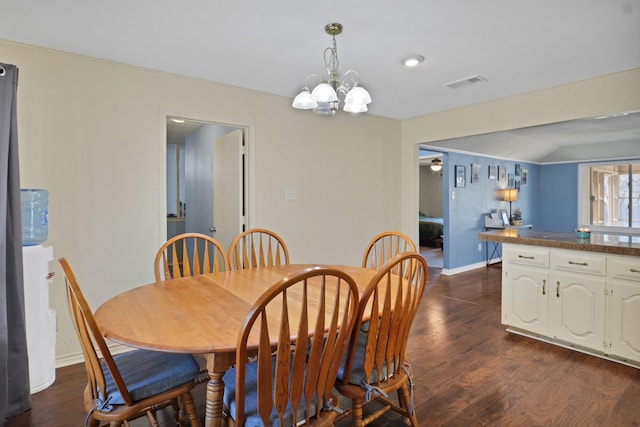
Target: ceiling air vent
x,y
466,82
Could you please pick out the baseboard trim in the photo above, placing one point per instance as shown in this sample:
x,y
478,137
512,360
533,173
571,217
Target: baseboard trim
x,y
75,358
464,268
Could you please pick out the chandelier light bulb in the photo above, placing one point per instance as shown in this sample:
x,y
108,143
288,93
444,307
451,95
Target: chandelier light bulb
x,y
355,108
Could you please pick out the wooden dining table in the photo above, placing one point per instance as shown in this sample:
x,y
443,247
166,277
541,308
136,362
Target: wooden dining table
x,y
198,315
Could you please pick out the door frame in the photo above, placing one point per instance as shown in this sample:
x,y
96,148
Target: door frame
x,y
249,181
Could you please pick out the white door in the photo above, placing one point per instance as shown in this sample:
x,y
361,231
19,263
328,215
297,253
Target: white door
x,y
228,187
214,177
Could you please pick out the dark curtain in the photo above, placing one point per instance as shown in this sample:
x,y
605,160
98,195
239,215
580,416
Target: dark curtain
x,y
15,396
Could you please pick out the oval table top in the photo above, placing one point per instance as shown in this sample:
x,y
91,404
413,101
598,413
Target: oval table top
x,y
198,314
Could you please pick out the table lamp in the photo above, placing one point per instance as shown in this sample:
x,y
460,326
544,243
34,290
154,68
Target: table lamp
x,y
510,195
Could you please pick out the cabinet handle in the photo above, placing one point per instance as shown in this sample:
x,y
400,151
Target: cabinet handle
x,y
584,264
544,286
526,257
634,270
558,289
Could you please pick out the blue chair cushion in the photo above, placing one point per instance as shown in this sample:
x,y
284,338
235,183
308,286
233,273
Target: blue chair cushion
x,y
358,375
251,416
147,373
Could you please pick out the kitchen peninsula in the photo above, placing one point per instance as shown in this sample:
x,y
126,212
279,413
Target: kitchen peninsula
x,y
577,293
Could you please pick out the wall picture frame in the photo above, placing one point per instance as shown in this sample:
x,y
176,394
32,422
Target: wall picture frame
x,y
493,174
461,176
475,173
502,173
525,176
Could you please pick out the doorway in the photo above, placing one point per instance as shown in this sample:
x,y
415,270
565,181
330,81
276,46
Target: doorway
x,y
206,178
431,209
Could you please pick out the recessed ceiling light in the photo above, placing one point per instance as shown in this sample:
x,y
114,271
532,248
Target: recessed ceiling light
x,y
412,61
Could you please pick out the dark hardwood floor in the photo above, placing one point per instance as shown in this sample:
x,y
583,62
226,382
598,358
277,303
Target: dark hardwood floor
x,y
467,371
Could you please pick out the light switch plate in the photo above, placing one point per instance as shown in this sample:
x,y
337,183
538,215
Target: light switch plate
x,y
289,193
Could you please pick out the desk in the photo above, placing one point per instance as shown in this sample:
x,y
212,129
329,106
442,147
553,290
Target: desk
x,y
199,314
496,248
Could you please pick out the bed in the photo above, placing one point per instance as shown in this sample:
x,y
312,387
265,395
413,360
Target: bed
x,y
430,230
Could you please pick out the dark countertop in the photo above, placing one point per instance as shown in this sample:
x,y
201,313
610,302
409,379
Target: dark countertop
x,y
617,244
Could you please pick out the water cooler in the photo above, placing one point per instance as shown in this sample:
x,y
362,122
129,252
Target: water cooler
x,y
40,318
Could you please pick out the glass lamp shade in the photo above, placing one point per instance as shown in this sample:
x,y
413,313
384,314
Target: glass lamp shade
x,y
355,108
304,101
358,95
324,93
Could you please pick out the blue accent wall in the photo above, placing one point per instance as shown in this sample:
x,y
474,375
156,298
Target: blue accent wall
x,y
558,197
464,214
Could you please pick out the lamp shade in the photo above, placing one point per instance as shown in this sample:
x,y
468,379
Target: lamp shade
x,y
358,95
510,195
324,93
304,101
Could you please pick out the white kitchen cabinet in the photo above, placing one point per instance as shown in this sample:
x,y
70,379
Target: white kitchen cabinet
x,y
577,309
586,300
524,299
525,277
624,306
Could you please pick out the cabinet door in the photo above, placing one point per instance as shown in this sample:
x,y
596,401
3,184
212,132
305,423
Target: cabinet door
x,y
577,309
524,298
624,304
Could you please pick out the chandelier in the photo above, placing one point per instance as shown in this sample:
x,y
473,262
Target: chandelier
x,y
331,91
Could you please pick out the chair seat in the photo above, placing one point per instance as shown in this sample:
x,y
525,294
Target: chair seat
x,y
252,419
358,375
148,373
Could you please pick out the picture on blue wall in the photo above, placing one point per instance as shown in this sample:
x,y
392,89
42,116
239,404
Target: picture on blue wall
x,y
525,176
492,172
502,173
461,177
475,173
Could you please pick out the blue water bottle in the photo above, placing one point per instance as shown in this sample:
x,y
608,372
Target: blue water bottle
x,y
34,216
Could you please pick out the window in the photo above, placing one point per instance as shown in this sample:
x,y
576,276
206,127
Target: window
x,y
610,196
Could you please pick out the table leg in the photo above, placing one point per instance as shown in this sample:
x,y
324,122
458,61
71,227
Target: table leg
x,y
215,391
217,365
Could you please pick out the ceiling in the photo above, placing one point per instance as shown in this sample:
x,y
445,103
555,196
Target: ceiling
x,y
517,46
596,138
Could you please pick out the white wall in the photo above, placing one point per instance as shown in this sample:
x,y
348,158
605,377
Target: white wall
x,y
92,132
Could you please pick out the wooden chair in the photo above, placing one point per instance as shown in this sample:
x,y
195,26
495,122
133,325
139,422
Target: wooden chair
x,y
375,364
257,247
189,254
298,353
385,246
129,385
